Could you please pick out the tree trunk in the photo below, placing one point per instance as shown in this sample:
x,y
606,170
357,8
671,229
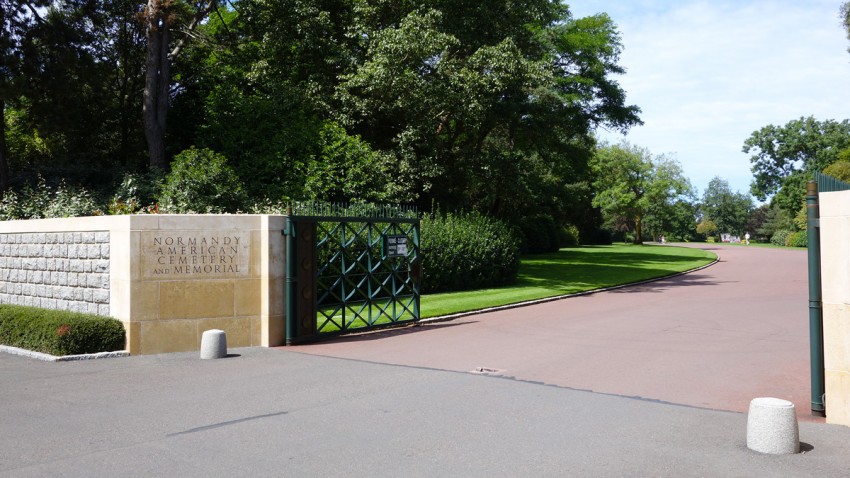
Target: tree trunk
x,y
4,163
638,231
158,74
157,78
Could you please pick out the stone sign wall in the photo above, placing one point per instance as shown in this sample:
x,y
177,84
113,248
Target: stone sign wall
x,y
181,254
168,278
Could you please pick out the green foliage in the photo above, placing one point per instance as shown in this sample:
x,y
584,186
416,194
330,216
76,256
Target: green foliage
x,y
540,234
841,168
797,239
786,156
569,236
779,238
776,219
136,193
729,210
346,169
632,187
59,332
707,227
201,181
43,201
466,251
487,106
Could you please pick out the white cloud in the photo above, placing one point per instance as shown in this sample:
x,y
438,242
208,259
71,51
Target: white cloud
x,y
708,73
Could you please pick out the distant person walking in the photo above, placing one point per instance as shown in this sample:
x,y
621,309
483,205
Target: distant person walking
x,y
747,238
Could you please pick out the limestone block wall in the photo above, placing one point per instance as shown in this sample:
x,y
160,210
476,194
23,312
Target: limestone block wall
x,y
168,278
835,279
56,270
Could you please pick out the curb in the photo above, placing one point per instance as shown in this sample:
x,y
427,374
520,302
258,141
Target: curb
x,y
64,358
446,318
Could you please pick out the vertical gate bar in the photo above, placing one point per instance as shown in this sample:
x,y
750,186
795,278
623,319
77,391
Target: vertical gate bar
x,y
369,277
815,305
291,279
342,273
394,295
417,258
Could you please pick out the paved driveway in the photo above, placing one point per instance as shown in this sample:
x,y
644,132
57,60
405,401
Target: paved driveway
x,y
715,338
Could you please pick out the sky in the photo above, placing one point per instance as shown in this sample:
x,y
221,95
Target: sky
x,y
707,74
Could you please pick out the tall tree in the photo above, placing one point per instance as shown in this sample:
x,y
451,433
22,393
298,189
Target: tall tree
x,y
727,209
18,17
786,156
630,184
844,13
161,18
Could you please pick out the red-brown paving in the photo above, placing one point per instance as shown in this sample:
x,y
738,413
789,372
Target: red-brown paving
x,y
714,338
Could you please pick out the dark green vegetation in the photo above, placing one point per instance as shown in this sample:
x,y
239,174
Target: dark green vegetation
x,y
59,332
634,189
483,106
139,106
466,251
573,270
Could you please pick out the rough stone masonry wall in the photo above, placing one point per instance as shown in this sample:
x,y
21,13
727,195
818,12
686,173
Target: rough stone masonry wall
x,y
56,270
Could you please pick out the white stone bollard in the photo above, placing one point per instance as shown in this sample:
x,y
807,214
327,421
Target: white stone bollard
x,y
213,344
772,427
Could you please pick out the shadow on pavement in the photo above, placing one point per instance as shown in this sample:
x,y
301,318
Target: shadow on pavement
x,y
661,285
391,332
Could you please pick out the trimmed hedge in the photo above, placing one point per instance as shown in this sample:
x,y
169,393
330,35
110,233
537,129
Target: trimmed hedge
x,y
540,234
58,332
466,251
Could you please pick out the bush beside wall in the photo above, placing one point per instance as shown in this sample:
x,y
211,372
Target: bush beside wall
x,y
467,251
58,332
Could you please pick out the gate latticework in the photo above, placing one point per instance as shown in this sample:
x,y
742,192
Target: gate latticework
x,y
350,268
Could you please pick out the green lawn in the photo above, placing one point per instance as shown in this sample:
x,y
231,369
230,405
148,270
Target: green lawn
x,y
572,270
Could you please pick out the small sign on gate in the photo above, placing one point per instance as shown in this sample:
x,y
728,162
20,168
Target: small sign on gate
x,y
395,246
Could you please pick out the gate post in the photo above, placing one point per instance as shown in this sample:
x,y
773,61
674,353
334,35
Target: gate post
x,y
815,306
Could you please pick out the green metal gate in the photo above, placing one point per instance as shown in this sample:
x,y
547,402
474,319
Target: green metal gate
x,y
350,268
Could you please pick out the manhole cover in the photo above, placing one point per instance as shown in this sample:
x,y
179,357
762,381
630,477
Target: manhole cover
x,y
486,371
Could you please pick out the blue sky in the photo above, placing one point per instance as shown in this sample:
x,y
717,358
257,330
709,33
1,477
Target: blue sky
x,y
708,73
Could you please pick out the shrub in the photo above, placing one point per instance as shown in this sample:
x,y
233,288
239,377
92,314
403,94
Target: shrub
x,y
136,193
539,234
569,236
797,239
466,251
201,181
59,332
778,238
44,201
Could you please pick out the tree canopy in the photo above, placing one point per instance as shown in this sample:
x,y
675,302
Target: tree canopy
x,y
729,211
633,187
785,157
486,105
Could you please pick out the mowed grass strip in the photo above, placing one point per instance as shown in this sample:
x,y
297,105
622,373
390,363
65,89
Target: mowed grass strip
x,y
572,270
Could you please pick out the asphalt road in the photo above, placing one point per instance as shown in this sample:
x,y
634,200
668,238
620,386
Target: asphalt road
x,y
283,412
715,338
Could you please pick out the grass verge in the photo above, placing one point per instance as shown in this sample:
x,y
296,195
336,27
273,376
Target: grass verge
x,y
572,270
